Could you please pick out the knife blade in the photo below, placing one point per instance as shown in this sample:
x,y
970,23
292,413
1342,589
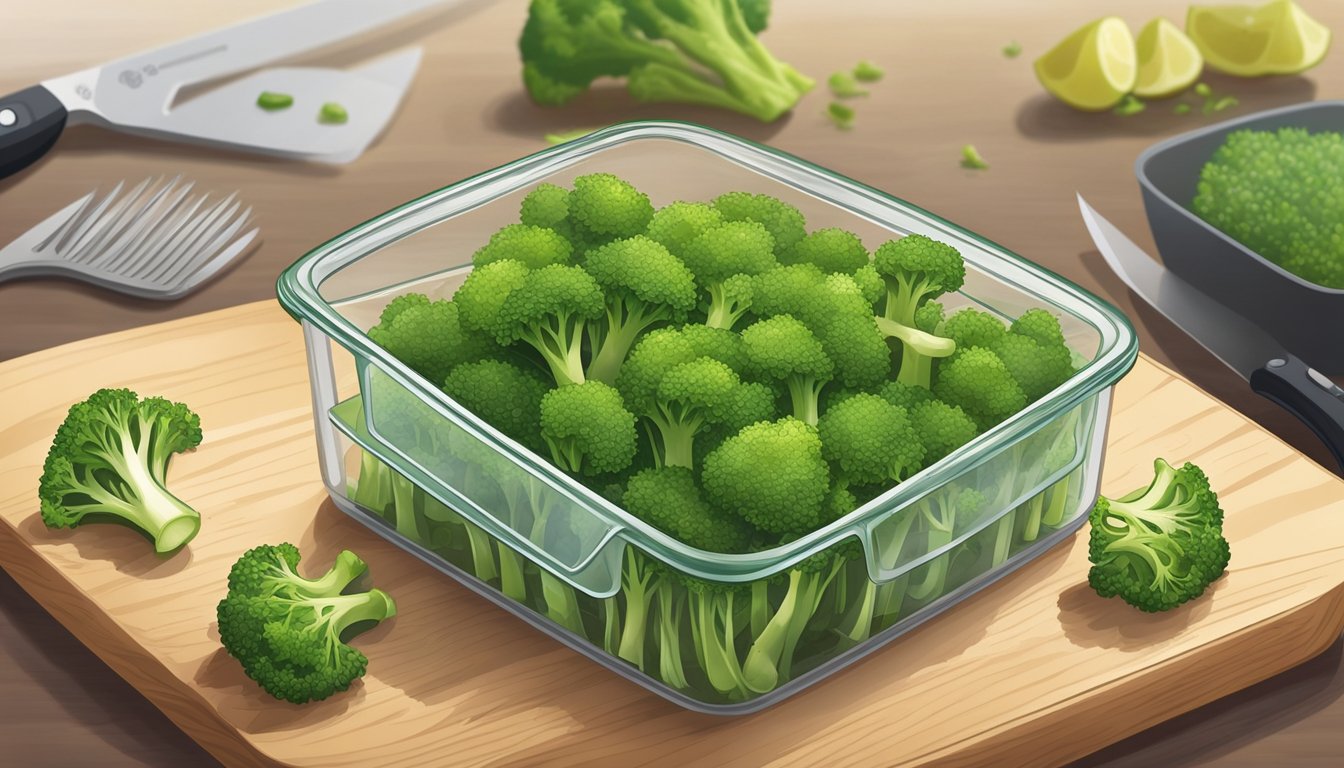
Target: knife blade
x,y
1272,371
136,93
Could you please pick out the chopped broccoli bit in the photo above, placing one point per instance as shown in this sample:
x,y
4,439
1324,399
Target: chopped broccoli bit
x,y
1226,102
1130,105
1181,109
867,72
564,136
840,114
844,86
1012,50
333,114
971,158
271,101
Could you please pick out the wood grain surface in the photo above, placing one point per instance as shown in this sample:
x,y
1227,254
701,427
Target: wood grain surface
x,y
947,85
998,681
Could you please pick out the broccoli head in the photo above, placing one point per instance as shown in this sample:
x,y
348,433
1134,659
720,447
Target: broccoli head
x,y
831,250
428,336
784,222
604,207
288,632
782,349
1158,546
677,224
971,327
546,206
772,475
505,396
535,247
870,441
669,499
548,311
977,380
109,460
941,427
588,429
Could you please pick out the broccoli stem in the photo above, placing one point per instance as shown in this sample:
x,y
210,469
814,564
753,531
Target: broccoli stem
x,y
482,554
1058,495
1003,537
671,601
404,517
760,606
723,312
677,429
611,635
626,321
804,393
372,489
1031,527
512,581
562,605
767,662
713,626
340,612
635,580
166,518
560,342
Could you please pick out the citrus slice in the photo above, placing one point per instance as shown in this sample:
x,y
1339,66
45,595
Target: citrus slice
x,y
1168,61
1093,68
1277,38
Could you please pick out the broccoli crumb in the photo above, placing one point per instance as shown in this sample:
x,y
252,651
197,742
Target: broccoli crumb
x,y
272,101
333,114
844,86
840,114
564,136
971,158
1131,105
1012,50
867,72
1181,109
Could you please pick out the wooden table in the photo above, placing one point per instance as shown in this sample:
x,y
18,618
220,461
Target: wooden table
x,y
947,84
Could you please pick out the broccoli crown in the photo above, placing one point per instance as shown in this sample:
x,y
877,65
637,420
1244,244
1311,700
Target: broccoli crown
x,y
858,349
588,429
668,499
110,458
483,293
642,269
677,224
1158,546
286,630
830,250
904,395
790,290
871,285
751,402
782,347
428,336
548,310
870,441
772,475
977,380
1034,369
719,343
656,353
502,394
917,268
535,247
929,316
608,207
784,222
1040,326
546,206
1280,193
704,387
973,328
732,248
941,427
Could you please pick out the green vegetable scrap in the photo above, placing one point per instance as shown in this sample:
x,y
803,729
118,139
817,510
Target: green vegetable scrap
x,y
971,158
1280,194
271,101
564,136
1181,109
1130,105
867,72
1012,50
1213,103
840,114
844,86
689,51
287,631
1159,546
109,461
332,114
735,381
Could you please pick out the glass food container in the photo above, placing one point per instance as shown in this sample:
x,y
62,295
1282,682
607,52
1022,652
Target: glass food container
x,y
725,634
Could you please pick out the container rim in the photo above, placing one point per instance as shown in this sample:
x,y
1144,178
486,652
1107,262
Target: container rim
x,y
298,292
1158,151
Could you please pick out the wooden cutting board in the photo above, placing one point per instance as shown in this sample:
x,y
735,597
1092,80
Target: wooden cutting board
x,y
1035,670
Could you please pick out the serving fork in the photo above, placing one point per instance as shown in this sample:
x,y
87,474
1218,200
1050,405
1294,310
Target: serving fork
x,y
160,240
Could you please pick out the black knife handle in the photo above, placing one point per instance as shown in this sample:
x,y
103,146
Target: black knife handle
x,y
30,122
1308,395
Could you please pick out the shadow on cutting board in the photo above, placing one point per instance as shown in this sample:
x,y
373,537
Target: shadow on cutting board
x,y
129,550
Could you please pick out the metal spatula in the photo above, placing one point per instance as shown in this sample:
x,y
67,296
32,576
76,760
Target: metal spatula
x,y
158,241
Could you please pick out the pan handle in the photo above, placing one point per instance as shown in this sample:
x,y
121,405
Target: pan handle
x,y
1307,394
30,122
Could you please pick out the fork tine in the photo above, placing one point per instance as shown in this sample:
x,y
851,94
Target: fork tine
x,y
88,247
204,223
201,242
154,219
144,215
212,267
165,237
183,233
91,219
219,242
70,222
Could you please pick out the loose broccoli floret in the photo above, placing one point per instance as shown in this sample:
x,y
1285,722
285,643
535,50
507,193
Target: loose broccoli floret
x,y
503,395
867,72
677,224
1279,193
548,311
603,207
784,222
428,336
971,327
977,380
916,269
644,285
942,428
109,459
535,247
844,86
1158,546
772,475
830,250
722,258
288,631
783,349
588,429
870,441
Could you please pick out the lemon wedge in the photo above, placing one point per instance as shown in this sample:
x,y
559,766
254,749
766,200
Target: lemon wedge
x,y
1277,38
1169,62
1093,68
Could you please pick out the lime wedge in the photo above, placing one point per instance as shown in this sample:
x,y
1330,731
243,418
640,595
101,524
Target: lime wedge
x,y
1093,68
1277,38
1168,61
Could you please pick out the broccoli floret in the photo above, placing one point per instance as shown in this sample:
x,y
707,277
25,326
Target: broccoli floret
x,y
784,222
929,316
870,441
548,311
669,499
287,631
503,395
677,224
535,247
977,380
789,290
689,396
941,427
1279,193
971,327
428,336
717,343
109,459
904,395
603,207
588,429
644,285
481,295
783,349
855,345
1158,546
830,250
656,353
1032,367
917,269
722,258
772,475
546,206
872,286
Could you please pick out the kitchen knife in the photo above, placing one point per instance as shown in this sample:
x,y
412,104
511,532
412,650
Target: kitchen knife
x,y
136,94
1240,344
